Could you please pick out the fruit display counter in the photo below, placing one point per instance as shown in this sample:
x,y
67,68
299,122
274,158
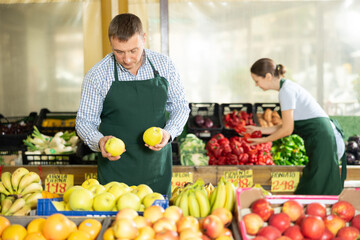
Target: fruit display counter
x,y
210,174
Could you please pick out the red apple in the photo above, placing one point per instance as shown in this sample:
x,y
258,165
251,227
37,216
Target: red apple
x,y
348,233
173,212
299,220
263,208
355,222
259,238
126,213
269,232
189,233
163,224
280,220
224,214
226,232
253,222
212,226
327,235
334,223
187,222
167,235
343,209
294,233
293,209
125,228
283,238
316,209
154,212
142,221
312,227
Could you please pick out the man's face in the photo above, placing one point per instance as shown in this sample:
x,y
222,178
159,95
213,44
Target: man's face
x,y
129,53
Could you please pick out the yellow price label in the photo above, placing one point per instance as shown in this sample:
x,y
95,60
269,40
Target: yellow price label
x,y
90,176
58,183
284,181
179,179
240,178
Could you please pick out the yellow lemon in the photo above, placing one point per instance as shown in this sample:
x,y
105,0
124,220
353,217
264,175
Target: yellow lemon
x,y
152,136
115,146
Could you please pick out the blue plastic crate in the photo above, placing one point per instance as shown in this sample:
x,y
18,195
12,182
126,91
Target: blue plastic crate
x,y
46,208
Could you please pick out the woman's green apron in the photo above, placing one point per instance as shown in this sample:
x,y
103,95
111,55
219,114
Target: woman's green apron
x,y
130,107
321,176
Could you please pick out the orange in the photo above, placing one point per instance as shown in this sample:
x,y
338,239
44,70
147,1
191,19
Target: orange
x,y
4,223
91,226
152,136
14,232
109,234
79,235
35,225
57,226
34,236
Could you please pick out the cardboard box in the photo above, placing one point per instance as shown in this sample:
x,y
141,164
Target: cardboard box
x,y
246,196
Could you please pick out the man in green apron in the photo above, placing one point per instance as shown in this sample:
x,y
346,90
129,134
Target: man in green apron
x,y
124,94
301,114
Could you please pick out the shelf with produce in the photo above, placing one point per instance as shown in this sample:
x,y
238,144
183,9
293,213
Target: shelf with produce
x,y
211,174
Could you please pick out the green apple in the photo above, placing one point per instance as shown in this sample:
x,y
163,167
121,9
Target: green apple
x,y
81,200
69,191
142,190
115,146
128,200
118,190
96,189
104,201
150,198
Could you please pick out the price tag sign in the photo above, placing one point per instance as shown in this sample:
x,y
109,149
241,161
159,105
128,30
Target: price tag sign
x,y
90,176
284,181
240,178
179,179
58,183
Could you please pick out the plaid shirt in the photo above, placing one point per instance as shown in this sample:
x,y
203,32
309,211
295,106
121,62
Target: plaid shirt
x,y
97,83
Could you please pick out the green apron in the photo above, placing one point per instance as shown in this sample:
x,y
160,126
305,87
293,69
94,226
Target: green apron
x,y
131,107
321,176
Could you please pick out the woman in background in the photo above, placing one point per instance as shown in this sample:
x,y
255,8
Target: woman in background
x,y
302,115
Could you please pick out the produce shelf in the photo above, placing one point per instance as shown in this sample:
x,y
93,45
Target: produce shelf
x,y
13,130
206,110
227,108
50,123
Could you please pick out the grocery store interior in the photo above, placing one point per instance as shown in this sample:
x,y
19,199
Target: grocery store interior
x,y
47,47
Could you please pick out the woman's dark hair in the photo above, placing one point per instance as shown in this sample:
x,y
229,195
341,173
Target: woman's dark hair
x,y
266,65
124,26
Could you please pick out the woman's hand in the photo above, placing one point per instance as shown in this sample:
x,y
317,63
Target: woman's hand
x,y
104,153
165,139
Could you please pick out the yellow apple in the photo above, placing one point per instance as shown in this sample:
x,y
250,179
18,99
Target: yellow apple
x,y
104,201
81,200
110,184
152,136
115,146
128,200
117,190
69,191
150,198
142,190
96,189
89,182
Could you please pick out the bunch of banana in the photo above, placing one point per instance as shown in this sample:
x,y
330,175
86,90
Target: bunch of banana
x,y
223,195
193,200
19,192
